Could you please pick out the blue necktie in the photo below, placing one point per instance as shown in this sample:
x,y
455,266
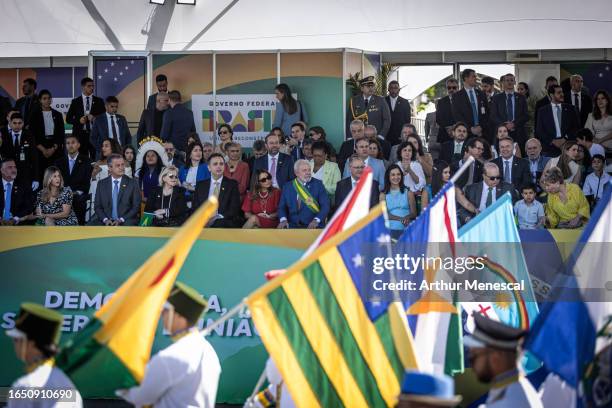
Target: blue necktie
x,y
509,107
474,106
115,213
7,201
70,165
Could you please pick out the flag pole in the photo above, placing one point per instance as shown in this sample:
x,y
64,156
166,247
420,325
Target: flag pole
x,y
461,169
231,313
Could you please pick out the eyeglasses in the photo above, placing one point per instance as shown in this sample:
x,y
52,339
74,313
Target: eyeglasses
x,y
171,176
264,179
234,151
358,167
493,178
452,88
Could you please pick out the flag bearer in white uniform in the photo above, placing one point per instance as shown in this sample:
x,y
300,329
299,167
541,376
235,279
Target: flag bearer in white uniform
x,y
185,374
35,338
494,357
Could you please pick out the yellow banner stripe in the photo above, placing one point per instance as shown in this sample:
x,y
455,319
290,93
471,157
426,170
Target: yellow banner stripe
x,y
274,338
323,342
402,337
362,327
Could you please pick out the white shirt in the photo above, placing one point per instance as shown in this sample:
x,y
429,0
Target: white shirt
x,y
319,173
270,157
483,196
517,394
49,125
416,167
192,175
185,374
597,149
503,169
84,97
393,102
594,185
556,119
49,377
110,130
213,183
579,100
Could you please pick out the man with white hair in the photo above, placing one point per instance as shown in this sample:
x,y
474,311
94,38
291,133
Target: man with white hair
x,y
580,99
483,195
304,202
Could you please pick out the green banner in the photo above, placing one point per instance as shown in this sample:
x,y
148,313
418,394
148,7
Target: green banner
x,y
76,275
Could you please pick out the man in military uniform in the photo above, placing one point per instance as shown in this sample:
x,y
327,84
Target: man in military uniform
x,y
187,372
420,390
371,109
35,338
494,357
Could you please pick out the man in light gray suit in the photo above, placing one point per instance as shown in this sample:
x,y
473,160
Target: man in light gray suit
x,y
371,109
178,122
377,166
117,196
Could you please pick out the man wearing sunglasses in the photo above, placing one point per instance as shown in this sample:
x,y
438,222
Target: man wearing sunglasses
x,y
483,195
444,112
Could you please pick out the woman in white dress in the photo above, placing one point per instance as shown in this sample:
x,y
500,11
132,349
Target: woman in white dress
x,y
414,176
600,120
100,171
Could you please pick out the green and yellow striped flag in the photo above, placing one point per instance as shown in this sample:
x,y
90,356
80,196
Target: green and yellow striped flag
x,y
146,220
112,350
332,348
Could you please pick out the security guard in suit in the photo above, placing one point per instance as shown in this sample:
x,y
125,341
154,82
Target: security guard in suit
x,y
371,109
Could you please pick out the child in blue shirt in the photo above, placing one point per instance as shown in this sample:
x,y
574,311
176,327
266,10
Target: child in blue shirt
x,y
529,211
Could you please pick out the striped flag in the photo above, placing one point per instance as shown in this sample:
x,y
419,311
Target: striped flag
x,y
111,352
332,347
435,323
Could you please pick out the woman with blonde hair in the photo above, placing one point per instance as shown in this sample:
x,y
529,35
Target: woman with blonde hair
x,y
167,201
54,201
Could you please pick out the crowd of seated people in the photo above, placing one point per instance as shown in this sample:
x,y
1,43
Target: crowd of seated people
x,y
551,160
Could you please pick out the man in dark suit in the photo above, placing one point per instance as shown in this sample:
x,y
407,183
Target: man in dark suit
x,y
76,170
259,150
28,103
470,105
346,185
545,100
151,120
178,122
509,108
444,112
347,149
110,125
473,147
174,158
536,161
161,81
279,165
226,190
371,109
514,170
296,141
557,122
17,195
19,144
5,108
81,114
304,203
400,112
483,195
117,196
452,150
579,99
